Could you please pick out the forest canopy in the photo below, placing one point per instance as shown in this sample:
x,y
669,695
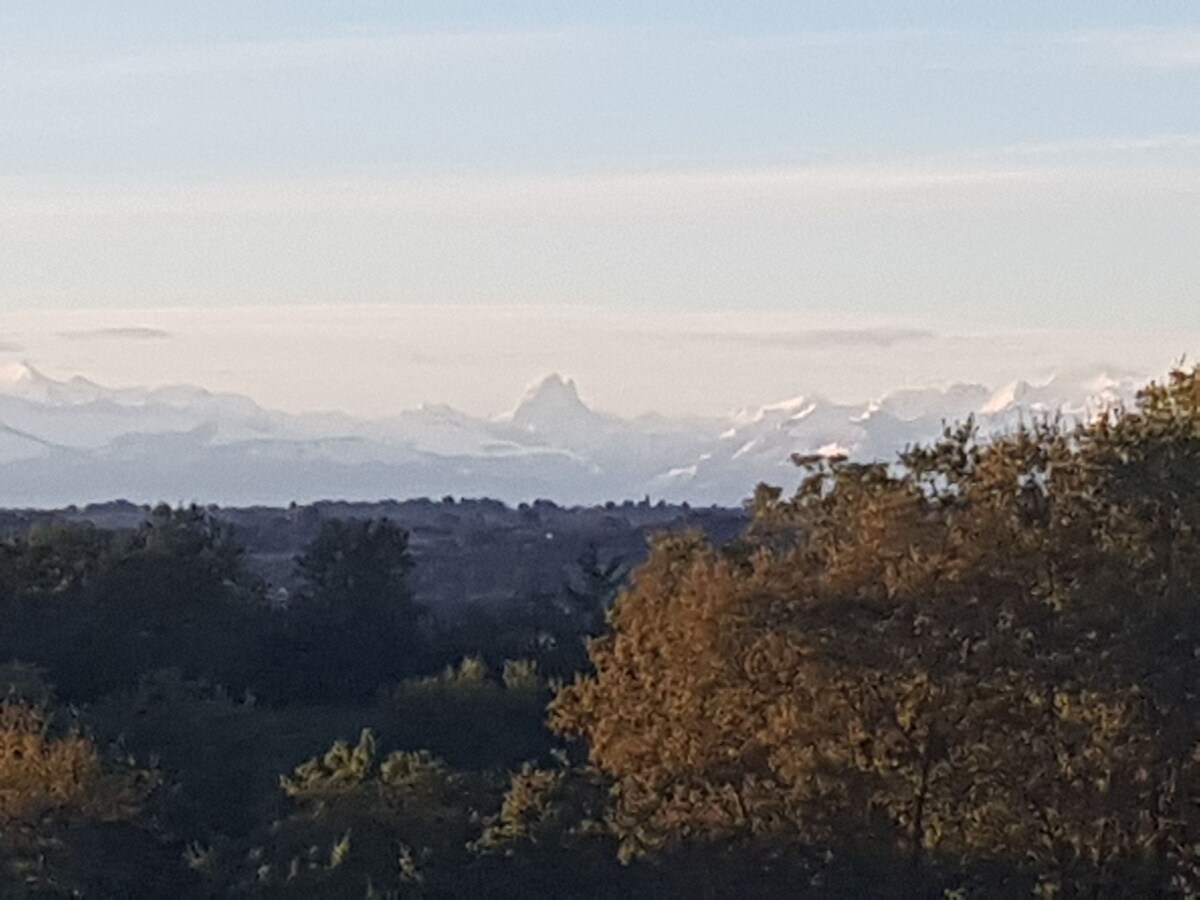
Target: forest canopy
x,y
976,668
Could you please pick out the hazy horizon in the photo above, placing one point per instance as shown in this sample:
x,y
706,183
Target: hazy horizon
x,y
380,360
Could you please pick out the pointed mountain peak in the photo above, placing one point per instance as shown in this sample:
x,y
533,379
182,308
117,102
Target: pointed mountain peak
x,y
1006,397
552,387
553,401
24,380
14,373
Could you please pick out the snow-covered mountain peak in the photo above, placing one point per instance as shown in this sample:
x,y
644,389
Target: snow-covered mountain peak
x,y
15,376
23,380
911,404
1005,398
781,413
553,401
793,410
72,440
551,388
1083,393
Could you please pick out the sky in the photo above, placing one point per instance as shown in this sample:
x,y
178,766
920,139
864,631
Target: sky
x,y
937,166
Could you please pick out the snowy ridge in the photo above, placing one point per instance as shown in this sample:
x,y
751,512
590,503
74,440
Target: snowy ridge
x,y
74,441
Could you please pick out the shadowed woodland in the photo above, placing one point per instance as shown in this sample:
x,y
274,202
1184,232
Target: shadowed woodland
x,y
968,672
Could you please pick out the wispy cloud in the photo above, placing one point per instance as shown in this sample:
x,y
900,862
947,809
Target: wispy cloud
x,y
399,49
1120,145
734,191
1101,166
815,339
135,333
841,39
1139,48
247,57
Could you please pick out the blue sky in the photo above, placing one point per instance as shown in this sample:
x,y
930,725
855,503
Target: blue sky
x,y
1022,164
218,88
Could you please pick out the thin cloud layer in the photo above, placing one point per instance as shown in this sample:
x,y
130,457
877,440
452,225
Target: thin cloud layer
x,y
135,333
243,58
1148,48
818,339
1079,167
477,358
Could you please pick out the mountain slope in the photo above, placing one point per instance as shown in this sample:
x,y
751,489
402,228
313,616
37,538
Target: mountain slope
x,y
75,441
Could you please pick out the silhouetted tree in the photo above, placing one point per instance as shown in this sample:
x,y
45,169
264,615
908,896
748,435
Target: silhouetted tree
x,y
355,625
358,823
101,609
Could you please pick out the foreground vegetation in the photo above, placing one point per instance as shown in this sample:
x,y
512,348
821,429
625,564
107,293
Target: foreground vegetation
x,y
971,673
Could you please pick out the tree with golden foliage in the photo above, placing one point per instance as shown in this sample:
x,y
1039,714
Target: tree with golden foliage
x,y
54,787
975,669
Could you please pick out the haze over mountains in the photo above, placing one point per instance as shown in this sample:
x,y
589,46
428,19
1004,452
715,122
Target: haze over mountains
x,y
74,442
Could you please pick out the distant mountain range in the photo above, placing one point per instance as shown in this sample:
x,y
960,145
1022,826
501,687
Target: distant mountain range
x,y
75,442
